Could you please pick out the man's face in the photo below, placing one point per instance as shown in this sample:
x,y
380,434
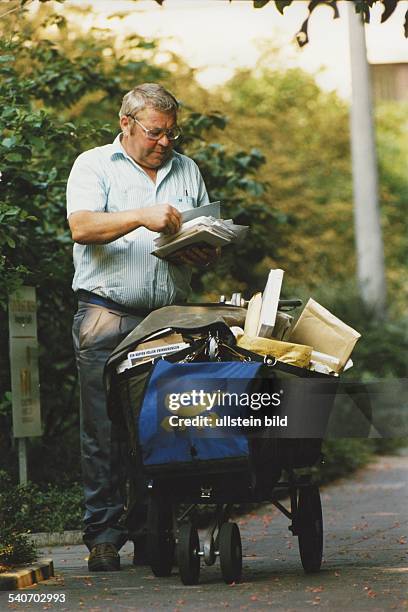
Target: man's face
x,y
146,152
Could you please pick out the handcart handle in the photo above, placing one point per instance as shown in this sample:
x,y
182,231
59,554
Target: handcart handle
x,y
287,305
238,300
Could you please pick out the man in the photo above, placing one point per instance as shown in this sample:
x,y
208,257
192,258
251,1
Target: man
x,y
118,197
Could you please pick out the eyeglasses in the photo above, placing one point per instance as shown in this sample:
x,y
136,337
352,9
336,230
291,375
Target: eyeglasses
x,y
157,133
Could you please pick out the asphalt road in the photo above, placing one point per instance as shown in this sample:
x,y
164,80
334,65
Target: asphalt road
x,y
365,560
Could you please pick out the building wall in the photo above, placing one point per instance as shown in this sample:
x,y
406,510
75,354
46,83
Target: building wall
x,y
390,81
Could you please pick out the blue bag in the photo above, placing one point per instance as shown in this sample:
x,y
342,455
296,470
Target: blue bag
x,y
176,392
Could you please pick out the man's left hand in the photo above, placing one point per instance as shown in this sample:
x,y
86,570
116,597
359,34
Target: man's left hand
x,y
201,256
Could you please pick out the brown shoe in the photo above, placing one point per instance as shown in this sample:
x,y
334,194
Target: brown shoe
x,y
104,558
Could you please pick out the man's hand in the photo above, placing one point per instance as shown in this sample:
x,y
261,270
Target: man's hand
x,y
88,227
202,256
161,218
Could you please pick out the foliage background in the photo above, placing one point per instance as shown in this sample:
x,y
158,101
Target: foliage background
x,y
271,145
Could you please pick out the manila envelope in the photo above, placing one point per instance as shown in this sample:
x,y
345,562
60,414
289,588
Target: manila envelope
x,y
326,333
287,352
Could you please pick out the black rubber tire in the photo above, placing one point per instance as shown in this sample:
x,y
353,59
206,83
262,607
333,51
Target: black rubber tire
x,y
188,560
160,539
310,529
230,549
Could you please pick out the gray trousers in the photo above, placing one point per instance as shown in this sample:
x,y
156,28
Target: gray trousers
x,y
96,332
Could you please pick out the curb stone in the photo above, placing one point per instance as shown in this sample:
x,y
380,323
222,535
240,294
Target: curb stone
x,y
44,539
27,576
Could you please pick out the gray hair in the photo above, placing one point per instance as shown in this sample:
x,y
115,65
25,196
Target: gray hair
x,y
149,95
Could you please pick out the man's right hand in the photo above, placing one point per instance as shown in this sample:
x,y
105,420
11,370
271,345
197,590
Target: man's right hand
x,y
88,227
161,218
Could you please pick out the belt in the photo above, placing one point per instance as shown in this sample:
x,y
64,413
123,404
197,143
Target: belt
x,y
98,300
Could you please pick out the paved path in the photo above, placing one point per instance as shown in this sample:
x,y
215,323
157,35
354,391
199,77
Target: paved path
x,y
365,566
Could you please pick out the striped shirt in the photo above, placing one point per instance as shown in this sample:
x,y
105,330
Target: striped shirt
x,y
107,179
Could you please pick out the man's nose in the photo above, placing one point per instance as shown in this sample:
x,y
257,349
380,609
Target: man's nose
x,y
164,141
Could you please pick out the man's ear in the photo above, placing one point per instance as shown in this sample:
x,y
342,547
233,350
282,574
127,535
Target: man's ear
x,y
125,125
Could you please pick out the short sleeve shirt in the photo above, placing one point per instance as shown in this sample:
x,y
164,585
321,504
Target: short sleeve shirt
x,y
107,179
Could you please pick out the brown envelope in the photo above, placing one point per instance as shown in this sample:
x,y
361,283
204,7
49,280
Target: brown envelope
x,y
287,352
326,333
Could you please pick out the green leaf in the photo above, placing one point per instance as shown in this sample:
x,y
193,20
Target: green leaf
x,y
52,174
282,4
302,36
14,157
389,8
260,3
121,15
9,142
144,44
10,242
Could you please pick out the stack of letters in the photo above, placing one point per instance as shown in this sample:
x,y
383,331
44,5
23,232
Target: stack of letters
x,y
200,227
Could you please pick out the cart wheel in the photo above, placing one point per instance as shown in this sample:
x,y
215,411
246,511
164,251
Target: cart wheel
x,y
230,552
160,540
188,559
310,529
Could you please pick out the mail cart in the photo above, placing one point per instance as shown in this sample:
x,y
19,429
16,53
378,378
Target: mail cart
x,y
186,464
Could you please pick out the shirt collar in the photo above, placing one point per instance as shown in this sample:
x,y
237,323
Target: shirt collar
x,y
118,149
